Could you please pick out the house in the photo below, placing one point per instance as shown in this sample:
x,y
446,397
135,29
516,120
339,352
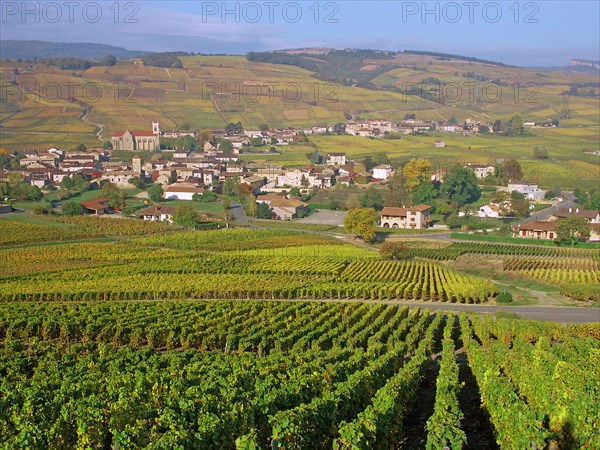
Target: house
x,y
287,209
335,159
182,191
158,213
121,178
481,170
97,206
137,140
438,175
382,172
415,217
592,216
529,190
490,210
536,230
439,144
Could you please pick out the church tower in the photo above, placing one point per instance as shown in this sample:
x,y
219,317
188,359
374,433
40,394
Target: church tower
x,y
155,129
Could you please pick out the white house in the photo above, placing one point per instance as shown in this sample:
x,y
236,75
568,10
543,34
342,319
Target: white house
x,y
382,172
416,217
157,213
529,190
335,159
481,170
182,191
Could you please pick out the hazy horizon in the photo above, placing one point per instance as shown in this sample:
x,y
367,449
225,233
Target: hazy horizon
x,y
545,33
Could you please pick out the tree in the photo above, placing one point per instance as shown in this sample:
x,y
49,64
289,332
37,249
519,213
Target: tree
x,y
295,192
425,193
540,152
416,171
361,222
594,201
249,205
368,163
107,145
460,186
339,128
187,216
333,202
581,196
230,187
263,127
225,145
516,125
66,184
108,60
185,127
352,202
512,170
138,182
519,205
257,142
80,147
155,193
234,128
381,158
372,198
316,157
263,211
410,116
572,229
197,197
203,137
71,209
398,194
394,250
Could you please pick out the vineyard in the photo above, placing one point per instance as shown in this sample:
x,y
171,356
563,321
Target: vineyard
x,y
308,375
226,264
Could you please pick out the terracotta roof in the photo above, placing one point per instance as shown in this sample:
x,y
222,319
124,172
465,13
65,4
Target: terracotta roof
x,y
392,211
96,204
537,226
193,189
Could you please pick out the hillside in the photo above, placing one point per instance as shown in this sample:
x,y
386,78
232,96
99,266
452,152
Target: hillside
x,y
10,49
211,91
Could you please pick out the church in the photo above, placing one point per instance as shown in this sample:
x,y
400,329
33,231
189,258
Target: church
x,y
137,140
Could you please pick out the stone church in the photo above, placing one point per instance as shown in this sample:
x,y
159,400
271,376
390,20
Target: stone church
x,y
137,140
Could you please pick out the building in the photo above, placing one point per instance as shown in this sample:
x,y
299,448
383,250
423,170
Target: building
x,y
590,215
182,191
481,170
382,172
415,217
335,159
536,230
137,140
97,206
157,213
439,144
287,208
529,190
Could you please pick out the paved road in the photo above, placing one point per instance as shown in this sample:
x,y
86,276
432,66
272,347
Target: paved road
x,y
546,213
238,213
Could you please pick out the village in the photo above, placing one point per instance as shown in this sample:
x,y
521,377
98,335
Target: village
x,y
277,193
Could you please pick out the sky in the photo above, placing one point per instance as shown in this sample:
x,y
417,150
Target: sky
x,y
525,33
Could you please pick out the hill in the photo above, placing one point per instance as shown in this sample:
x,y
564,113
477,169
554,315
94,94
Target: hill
x,y
10,49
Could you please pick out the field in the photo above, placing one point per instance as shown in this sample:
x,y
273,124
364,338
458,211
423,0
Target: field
x,y
243,374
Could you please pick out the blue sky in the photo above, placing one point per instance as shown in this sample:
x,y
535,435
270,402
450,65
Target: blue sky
x,y
542,33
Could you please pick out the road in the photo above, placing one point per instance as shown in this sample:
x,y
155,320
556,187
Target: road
x,y
546,213
238,214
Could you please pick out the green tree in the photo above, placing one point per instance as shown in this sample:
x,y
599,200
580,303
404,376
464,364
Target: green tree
x,y
231,187
572,229
519,205
263,127
187,216
203,137
225,145
425,193
66,184
155,193
263,211
108,60
333,202
368,163
80,147
594,201
71,209
416,171
460,186
381,158
138,182
316,157
107,145
295,192
516,125
581,196
398,195
372,198
361,222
